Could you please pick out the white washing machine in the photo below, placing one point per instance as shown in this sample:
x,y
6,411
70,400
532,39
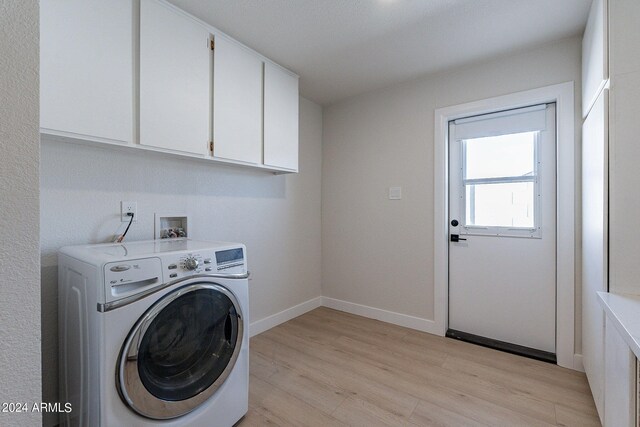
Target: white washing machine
x,y
154,333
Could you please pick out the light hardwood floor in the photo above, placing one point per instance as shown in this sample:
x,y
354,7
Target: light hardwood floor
x,y
329,368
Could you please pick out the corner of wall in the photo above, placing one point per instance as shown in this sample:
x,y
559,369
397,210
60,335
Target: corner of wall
x,y
20,367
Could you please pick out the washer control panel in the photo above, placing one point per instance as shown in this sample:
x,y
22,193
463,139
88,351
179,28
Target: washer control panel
x,y
226,261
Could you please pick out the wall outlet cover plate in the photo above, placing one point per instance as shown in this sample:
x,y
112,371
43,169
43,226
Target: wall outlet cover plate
x,y
125,208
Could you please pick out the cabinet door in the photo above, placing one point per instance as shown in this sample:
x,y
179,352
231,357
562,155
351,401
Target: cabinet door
x,y
237,102
86,69
595,66
594,243
175,70
280,118
620,380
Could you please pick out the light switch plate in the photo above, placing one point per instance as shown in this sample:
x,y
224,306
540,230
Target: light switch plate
x,y
395,193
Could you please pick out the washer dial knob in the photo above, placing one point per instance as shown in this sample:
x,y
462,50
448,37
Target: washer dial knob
x,y
191,263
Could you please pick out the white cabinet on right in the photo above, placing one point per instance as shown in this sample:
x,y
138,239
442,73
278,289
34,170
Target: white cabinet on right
x,y
620,380
595,135
611,66
280,118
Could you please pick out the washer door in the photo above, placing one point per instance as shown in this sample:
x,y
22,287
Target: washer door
x,y
180,351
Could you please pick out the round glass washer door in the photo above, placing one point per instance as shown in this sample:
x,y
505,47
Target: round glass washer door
x,y
180,351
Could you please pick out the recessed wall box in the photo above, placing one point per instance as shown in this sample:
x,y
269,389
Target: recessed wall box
x,y
170,226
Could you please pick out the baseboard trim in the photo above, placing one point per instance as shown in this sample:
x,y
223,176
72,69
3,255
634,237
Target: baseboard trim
x,y
412,322
259,326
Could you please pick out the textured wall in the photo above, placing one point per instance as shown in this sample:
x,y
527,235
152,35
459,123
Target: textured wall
x,y
379,252
19,209
276,216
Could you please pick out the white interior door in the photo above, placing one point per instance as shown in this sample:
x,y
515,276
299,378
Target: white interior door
x,y
502,250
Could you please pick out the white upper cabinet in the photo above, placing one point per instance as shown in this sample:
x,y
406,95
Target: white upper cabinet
x,y
237,102
280,118
86,69
595,64
146,75
175,70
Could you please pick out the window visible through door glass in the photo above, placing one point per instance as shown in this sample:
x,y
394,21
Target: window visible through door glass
x,y
501,205
500,156
500,175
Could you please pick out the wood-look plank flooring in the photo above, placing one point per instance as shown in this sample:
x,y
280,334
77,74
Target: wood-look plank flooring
x,y
329,368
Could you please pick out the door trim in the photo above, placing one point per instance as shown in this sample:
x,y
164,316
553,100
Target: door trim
x,y
562,95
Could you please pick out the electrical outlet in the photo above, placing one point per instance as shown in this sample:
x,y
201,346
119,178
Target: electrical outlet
x,y
125,208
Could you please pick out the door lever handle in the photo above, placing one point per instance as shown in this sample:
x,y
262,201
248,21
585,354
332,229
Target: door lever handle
x,y
456,238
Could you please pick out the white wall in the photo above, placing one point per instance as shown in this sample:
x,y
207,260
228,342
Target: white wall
x,y
276,216
19,209
624,150
379,252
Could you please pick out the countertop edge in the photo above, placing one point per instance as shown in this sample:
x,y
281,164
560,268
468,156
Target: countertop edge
x,y
624,311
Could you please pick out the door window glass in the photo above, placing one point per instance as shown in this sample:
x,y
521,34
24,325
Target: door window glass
x,y
500,156
188,345
501,205
500,180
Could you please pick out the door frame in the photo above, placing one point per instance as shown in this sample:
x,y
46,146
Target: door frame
x,y
562,95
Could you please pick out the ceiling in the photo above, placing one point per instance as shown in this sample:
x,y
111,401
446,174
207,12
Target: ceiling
x,y
342,48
